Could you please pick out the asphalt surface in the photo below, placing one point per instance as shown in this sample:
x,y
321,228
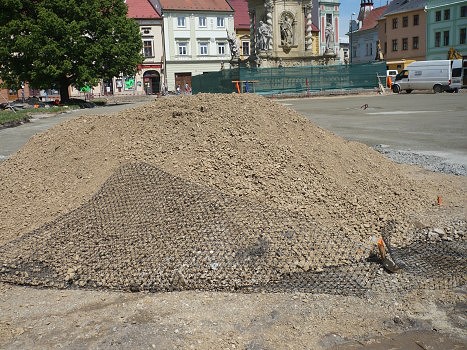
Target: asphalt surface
x,y
429,127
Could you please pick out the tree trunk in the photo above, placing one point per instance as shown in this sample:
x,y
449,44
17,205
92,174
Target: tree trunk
x,y
64,92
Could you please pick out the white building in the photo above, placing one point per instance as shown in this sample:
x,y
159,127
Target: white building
x,y
195,38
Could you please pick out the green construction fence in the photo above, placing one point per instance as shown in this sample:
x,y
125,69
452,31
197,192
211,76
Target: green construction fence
x,y
290,80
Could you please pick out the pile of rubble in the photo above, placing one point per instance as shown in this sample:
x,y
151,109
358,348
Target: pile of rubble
x,y
218,192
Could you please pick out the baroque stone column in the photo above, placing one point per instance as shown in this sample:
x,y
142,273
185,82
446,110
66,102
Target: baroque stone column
x,y
252,14
308,27
269,6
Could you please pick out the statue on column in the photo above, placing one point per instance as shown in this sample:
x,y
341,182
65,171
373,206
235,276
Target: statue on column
x,y
264,36
232,39
329,34
379,52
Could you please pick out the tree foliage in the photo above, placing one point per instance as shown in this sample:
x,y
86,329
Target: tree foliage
x,y
58,43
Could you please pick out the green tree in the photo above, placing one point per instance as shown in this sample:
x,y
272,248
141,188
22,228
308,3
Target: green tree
x,y
62,43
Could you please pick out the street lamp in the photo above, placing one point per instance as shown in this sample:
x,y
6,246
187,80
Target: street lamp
x,y
351,30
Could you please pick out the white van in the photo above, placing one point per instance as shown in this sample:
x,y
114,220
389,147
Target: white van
x,y
457,76
428,75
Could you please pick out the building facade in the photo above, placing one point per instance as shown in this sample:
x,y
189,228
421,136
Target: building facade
x,y
446,28
148,78
402,31
365,39
195,39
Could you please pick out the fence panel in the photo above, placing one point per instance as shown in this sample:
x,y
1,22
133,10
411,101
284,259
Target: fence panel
x,y
290,80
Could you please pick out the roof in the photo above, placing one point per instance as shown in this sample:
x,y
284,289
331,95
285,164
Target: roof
x,y
140,9
241,16
314,28
196,5
398,6
371,20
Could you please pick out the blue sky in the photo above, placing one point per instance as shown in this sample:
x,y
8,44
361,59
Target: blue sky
x,y
347,7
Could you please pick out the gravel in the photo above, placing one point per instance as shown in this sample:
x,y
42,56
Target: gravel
x,y
429,162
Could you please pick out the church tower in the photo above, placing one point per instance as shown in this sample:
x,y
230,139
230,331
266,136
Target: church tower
x,y
366,6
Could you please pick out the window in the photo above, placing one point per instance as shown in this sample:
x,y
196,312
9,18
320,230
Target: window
x,y
457,72
405,44
202,22
181,22
462,36
182,48
245,48
447,14
221,49
415,42
463,11
394,45
385,47
220,22
203,48
405,21
438,16
416,20
394,23
437,39
147,48
446,38
369,49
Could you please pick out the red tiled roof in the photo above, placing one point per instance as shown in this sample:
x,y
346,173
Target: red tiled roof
x,y
196,5
241,16
314,28
372,19
141,9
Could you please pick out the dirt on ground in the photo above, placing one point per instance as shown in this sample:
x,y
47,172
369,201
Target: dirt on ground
x,y
259,227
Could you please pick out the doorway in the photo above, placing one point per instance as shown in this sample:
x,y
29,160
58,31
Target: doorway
x,y
182,79
152,82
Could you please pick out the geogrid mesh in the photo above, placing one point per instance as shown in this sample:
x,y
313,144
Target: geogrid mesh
x,y
148,230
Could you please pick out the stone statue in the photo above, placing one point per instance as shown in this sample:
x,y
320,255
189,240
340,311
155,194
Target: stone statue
x,y
287,31
329,36
379,52
232,39
264,36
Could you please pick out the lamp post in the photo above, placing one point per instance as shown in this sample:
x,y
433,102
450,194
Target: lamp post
x,y
351,30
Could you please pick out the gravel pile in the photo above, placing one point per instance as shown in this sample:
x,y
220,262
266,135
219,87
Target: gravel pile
x,y
198,192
